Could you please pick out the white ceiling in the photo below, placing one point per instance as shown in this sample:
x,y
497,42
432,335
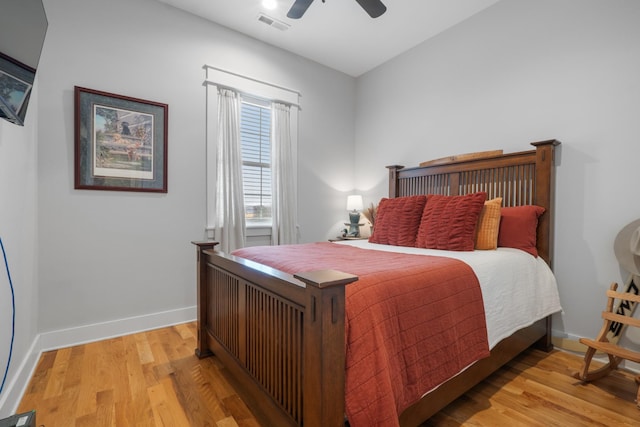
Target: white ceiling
x,y
339,33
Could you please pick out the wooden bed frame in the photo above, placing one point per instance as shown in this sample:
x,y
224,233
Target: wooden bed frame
x,y
281,337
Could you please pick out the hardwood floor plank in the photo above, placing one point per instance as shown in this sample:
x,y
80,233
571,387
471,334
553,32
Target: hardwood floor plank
x,y
38,382
208,384
185,331
118,373
237,409
189,394
153,379
55,383
165,407
221,388
548,408
105,413
579,402
227,422
74,375
156,344
137,379
88,389
597,396
88,420
539,387
144,349
506,406
125,415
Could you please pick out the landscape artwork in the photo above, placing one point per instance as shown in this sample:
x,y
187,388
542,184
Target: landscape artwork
x,y
122,143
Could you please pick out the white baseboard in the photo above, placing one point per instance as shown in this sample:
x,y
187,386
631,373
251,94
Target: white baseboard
x,y
115,328
12,394
570,343
62,338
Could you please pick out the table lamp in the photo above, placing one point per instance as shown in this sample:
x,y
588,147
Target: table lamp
x,y
354,206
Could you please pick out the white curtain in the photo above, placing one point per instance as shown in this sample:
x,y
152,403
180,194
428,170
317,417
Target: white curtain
x,y
230,228
284,200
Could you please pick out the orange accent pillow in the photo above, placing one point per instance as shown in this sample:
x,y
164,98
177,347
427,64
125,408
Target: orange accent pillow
x,y
449,222
489,225
397,220
518,228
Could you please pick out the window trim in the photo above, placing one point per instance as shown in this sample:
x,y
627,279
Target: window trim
x,y
255,88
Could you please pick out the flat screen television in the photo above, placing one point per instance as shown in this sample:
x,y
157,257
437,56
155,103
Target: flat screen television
x,y
23,25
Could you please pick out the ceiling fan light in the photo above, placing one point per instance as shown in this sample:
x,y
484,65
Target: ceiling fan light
x,y
269,4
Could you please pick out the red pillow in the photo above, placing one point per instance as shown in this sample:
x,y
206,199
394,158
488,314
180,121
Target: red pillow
x,y
449,222
518,228
397,220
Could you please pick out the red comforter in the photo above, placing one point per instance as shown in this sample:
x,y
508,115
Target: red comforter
x,y
412,322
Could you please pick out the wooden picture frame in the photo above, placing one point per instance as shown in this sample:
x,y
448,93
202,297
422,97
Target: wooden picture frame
x,y
120,142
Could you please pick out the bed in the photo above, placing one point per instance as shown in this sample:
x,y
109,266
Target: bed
x,y
281,334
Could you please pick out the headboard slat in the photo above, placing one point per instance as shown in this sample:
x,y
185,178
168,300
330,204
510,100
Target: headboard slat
x,y
522,178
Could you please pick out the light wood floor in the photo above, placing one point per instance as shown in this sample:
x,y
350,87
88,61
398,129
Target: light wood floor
x,y
153,379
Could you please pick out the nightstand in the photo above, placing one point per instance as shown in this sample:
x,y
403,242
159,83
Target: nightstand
x,y
339,238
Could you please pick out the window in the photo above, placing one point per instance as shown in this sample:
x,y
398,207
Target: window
x,y
262,207
255,138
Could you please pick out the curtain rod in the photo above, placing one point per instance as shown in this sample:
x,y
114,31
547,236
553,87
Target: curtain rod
x,y
251,95
253,79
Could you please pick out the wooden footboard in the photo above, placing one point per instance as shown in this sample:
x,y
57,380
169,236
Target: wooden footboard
x,y
280,337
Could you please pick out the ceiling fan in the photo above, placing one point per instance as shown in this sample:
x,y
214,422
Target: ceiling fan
x,y
374,8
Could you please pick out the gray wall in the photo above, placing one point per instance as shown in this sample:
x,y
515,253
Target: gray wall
x,y
105,256
518,72
18,210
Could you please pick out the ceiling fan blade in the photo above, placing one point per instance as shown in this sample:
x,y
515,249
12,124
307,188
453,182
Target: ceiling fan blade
x,y
374,8
298,9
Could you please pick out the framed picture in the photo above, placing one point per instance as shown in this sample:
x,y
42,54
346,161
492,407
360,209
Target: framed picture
x,y
16,81
120,142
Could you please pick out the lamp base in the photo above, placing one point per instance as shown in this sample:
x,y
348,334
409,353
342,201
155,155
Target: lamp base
x,y
354,224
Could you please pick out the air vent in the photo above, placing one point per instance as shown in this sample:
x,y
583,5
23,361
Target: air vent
x,y
282,26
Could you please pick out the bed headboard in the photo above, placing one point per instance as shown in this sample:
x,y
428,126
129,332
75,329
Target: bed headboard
x,y
522,178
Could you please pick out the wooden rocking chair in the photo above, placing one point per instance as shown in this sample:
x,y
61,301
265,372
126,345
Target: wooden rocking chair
x,y
615,353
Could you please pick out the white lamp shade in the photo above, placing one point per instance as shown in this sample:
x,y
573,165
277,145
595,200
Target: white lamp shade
x,y
354,203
